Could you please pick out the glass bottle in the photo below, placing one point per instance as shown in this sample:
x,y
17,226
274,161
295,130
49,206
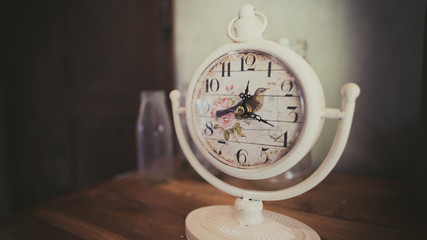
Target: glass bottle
x,y
154,138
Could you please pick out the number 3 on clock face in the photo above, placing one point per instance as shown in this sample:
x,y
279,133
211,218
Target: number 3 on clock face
x,y
247,109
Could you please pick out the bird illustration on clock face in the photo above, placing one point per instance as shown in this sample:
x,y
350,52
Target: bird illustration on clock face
x,y
248,109
247,106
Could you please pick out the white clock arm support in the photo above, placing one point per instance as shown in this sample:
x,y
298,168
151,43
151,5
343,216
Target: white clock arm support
x,y
349,92
175,97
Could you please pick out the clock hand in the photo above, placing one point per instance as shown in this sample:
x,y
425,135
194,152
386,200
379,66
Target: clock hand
x,y
244,110
246,96
258,118
240,108
248,104
222,112
240,105
247,88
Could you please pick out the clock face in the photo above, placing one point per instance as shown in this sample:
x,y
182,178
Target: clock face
x,y
247,109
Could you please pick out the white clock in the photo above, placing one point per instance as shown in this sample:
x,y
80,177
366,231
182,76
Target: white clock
x,y
250,106
254,110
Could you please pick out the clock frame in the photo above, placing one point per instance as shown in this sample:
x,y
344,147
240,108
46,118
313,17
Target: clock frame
x,y
313,103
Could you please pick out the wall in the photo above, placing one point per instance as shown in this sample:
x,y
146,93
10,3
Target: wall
x,y
70,91
377,44
4,206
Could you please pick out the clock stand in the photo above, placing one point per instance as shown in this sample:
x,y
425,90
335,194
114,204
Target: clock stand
x,y
246,219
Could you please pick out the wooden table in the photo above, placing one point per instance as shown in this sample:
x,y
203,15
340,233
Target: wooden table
x,y
341,207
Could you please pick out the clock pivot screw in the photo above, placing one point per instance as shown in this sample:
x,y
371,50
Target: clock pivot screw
x,y
240,110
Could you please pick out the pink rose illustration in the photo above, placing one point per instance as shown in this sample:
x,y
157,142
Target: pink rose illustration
x,y
229,88
227,121
225,102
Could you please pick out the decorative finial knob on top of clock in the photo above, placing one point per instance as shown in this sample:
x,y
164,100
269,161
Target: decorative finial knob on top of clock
x,y
249,25
247,11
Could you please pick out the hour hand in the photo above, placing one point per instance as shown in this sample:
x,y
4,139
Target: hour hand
x,y
222,112
259,118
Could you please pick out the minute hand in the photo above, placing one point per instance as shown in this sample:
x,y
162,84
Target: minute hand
x,y
245,96
258,118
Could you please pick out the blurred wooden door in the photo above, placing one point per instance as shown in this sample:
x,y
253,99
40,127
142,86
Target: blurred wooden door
x,y
70,95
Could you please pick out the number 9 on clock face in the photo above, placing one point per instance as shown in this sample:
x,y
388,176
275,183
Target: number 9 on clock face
x,y
247,109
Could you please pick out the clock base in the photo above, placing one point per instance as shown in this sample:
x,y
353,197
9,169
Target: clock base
x,y
221,222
